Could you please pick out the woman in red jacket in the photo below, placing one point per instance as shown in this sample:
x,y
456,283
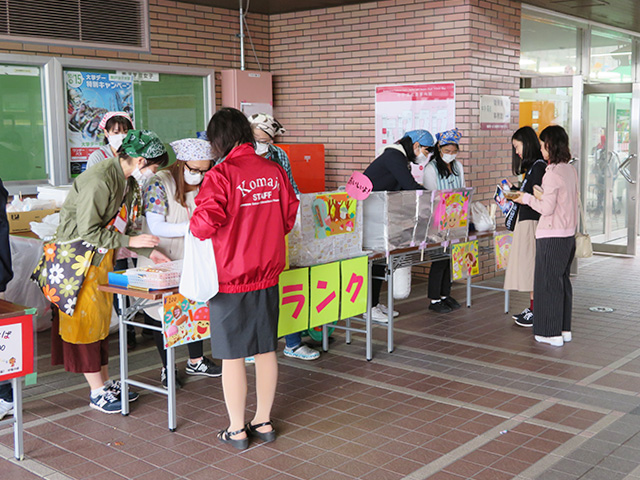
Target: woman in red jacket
x,y
246,206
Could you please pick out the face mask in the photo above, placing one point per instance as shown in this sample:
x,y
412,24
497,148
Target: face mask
x,y
421,159
262,148
192,178
115,140
448,157
142,176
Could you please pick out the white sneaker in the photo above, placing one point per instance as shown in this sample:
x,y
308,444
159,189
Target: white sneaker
x,y
302,352
377,315
553,341
383,308
5,408
566,336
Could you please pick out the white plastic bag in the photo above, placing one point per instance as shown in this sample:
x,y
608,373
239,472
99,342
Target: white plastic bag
x,y
199,280
481,217
401,283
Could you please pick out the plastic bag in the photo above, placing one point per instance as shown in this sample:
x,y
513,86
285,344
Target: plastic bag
x,y
401,283
47,228
482,218
199,280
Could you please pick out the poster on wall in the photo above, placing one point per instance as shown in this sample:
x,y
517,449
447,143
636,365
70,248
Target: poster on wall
x,y
89,97
400,108
495,112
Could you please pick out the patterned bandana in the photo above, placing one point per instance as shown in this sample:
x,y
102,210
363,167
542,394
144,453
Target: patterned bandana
x,y
448,137
267,124
423,137
142,143
192,149
108,115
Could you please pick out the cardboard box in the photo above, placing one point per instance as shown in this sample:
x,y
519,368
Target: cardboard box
x,y
19,221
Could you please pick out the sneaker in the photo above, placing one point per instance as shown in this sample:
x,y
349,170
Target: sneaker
x,y
163,378
116,388
566,337
302,352
377,315
526,320
5,408
204,367
553,341
249,360
451,302
383,308
521,314
106,402
439,307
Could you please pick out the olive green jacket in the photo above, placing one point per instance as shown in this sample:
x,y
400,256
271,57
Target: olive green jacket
x,y
94,200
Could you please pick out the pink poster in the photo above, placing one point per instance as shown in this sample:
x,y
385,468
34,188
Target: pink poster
x,y
451,209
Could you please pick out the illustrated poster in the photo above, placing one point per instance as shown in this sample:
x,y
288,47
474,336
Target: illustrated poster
x,y
502,245
333,214
400,108
89,97
451,210
184,321
464,260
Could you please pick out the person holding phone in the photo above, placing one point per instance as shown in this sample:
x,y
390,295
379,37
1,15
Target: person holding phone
x,y
526,159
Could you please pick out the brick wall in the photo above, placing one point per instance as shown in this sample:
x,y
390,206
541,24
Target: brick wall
x,y
180,34
327,62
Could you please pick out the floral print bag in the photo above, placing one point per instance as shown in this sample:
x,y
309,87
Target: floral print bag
x,y
61,271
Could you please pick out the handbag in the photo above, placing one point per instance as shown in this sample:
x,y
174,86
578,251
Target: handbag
x,y
199,279
61,271
584,249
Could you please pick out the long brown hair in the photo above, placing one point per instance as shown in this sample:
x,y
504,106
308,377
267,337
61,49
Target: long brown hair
x,y
176,170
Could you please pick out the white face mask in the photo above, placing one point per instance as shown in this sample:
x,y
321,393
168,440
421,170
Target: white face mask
x,y
192,178
262,148
421,159
115,140
448,157
142,176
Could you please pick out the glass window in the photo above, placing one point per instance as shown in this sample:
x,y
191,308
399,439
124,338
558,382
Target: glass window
x,y
547,47
541,107
22,126
610,59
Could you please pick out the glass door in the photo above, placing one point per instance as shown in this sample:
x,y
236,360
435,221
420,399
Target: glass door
x,y
610,167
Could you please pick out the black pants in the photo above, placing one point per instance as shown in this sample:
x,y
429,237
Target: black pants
x,y
552,290
196,349
439,280
376,284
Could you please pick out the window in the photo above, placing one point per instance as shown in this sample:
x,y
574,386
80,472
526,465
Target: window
x,y
610,58
547,48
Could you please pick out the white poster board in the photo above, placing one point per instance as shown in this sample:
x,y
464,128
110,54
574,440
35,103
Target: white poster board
x,y
400,108
495,112
10,348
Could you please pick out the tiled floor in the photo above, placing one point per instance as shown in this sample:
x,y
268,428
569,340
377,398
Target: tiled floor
x,y
467,395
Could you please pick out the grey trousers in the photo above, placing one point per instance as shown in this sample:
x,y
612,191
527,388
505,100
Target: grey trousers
x,y
552,290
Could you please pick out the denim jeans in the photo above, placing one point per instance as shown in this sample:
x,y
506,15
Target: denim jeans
x,y
293,339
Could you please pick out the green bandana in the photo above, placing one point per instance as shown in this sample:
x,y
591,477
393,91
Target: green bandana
x,y
143,143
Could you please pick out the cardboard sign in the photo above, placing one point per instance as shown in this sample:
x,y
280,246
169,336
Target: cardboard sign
x,y
354,287
325,294
294,301
184,321
464,260
16,346
359,186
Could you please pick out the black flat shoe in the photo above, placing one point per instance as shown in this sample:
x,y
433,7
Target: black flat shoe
x,y
225,437
451,303
252,431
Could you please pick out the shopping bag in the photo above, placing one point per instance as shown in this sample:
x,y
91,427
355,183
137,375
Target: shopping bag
x,y
199,280
584,248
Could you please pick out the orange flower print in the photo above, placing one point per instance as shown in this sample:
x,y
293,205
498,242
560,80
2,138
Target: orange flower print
x,y
50,293
50,251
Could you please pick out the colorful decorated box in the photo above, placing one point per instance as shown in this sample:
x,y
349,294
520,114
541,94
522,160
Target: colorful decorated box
x,y
328,228
450,215
395,220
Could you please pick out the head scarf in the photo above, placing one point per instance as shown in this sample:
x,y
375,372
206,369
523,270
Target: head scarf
x,y
142,143
108,115
423,137
189,149
448,137
267,124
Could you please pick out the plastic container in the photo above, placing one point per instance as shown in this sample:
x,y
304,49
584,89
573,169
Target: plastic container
x,y
156,277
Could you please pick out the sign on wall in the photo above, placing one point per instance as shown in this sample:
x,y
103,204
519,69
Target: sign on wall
x,y
89,97
400,108
495,112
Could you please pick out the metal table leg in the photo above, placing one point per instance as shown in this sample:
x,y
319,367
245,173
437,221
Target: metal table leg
x,y
390,306
124,360
468,292
171,388
18,437
368,326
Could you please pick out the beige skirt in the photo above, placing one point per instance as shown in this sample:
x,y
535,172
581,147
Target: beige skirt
x,y
522,257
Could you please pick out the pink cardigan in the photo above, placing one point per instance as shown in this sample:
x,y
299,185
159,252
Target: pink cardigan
x,y
558,207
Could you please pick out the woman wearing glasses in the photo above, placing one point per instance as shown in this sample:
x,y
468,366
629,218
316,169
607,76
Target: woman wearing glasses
x,y
168,205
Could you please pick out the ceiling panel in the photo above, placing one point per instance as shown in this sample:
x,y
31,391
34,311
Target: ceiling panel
x,y
623,14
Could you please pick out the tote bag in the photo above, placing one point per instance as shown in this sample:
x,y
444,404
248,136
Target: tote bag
x,y
199,280
584,249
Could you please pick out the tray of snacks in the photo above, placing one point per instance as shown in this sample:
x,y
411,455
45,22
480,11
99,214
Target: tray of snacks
x,y
156,277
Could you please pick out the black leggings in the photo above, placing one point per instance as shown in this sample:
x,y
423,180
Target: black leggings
x,y
439,280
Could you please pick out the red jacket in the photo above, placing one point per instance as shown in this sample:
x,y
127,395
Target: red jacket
x,y
246,205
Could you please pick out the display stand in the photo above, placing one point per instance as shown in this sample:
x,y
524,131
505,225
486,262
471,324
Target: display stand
x,y
140,300
16,345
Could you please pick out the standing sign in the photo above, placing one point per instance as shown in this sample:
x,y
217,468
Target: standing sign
x,y
184,320
16,346
89,97
400,108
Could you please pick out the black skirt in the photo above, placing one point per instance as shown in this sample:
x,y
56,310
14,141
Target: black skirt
x,y
244,324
